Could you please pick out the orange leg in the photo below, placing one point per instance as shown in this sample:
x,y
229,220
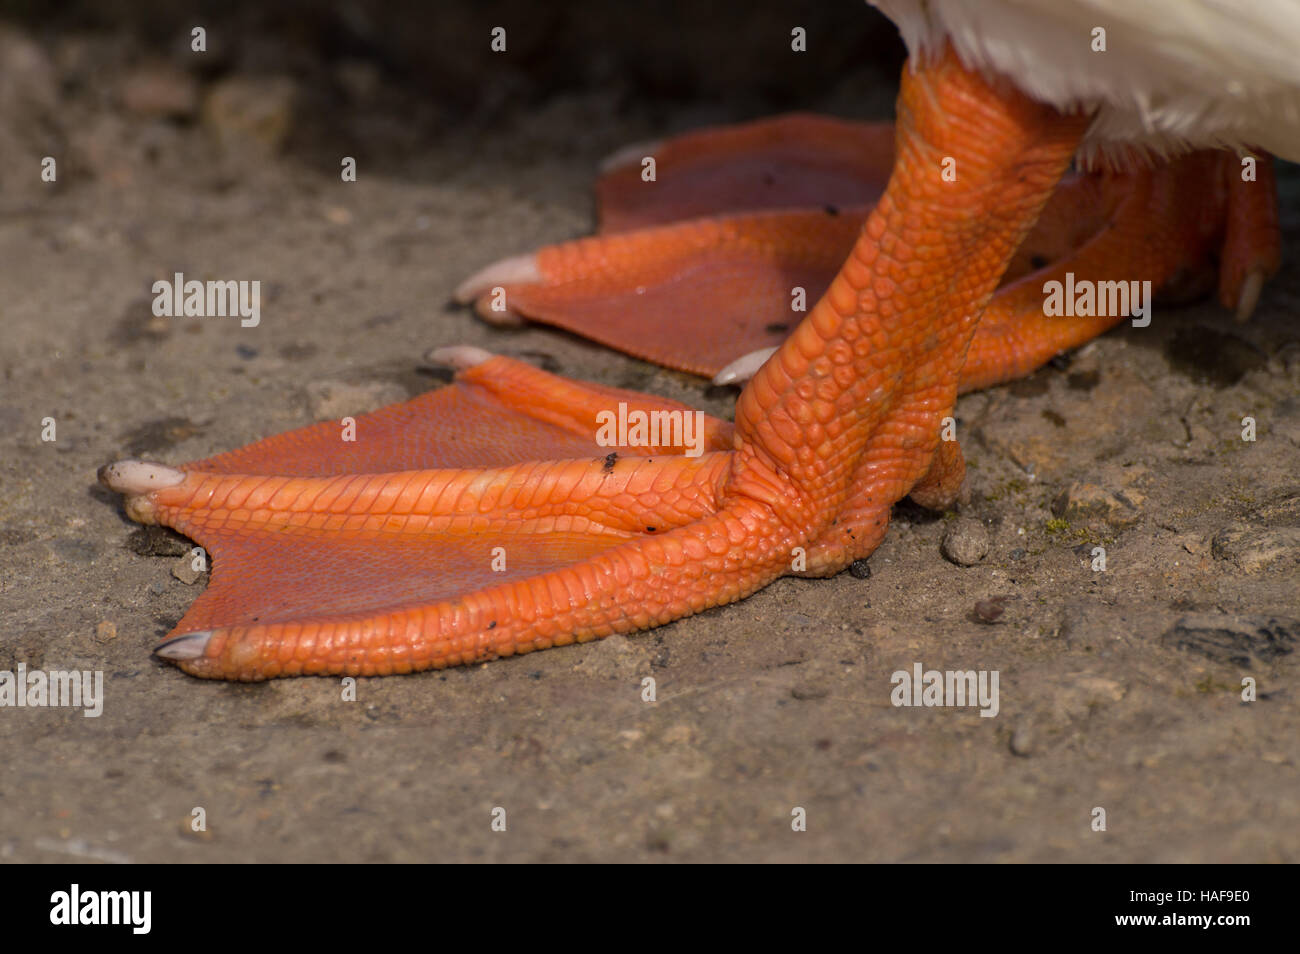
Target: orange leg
x,y
372,573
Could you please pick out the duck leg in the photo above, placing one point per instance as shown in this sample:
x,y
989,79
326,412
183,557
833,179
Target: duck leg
x,y
381,572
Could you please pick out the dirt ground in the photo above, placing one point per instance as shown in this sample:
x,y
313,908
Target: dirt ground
x,y
1119,689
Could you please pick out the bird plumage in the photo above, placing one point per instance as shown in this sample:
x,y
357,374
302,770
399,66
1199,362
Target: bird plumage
x,y
1174,74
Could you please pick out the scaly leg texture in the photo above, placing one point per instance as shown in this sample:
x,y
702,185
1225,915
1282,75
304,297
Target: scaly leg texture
x,y
393,571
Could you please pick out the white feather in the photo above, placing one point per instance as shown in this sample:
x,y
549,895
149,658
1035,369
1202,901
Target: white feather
x,y
1176,74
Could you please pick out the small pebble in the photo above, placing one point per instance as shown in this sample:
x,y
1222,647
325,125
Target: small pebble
x,y
106,631
1022,741
965,542
183,570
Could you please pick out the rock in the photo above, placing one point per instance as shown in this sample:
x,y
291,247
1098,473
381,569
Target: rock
x,y
860,570
1252,549
1022,741
1092,504
1237,640
183,570
250,116
160,90
965,542
106,631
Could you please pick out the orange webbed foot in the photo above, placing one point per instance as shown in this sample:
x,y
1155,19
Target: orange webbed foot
x,y
434,532
709,266
489,518
700,257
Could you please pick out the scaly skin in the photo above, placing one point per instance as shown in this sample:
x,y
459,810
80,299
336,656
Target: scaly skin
x,y
838,426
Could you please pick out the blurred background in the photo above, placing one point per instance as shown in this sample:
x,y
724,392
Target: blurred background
x,y
108,83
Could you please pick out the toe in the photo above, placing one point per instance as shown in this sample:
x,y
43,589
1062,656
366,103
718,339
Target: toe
x,y
187,646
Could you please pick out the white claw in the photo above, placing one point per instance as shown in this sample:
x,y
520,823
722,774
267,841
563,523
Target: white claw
x,y
135,477
189,646
458,357
516,270
630,155
1250,292
742,369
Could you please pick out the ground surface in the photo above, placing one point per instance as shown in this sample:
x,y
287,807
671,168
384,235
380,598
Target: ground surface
x,y
1119,689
